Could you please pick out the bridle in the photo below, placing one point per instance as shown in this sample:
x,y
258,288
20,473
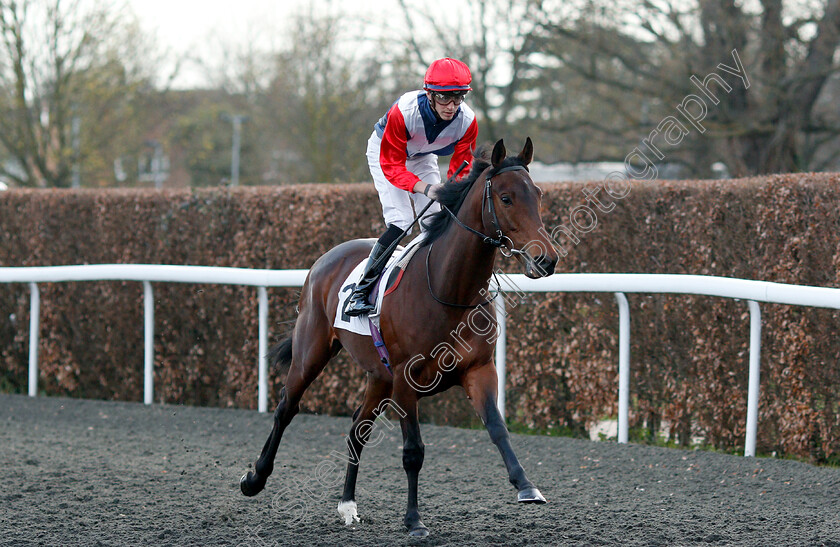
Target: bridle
x,y
500,241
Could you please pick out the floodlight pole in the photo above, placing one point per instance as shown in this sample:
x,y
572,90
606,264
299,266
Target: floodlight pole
x,y
237,140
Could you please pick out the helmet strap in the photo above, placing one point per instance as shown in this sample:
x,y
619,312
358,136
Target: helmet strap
x,y
431,97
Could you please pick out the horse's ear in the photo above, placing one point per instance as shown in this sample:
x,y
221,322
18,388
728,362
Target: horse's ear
x,y
527,153
499,153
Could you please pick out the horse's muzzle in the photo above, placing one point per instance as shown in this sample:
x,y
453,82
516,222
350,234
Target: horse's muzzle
x,y
540,266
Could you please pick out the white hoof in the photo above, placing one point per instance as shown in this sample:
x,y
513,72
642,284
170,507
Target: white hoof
x,y
347,509
530,495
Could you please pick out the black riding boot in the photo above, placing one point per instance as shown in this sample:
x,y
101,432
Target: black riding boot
x,y
358,304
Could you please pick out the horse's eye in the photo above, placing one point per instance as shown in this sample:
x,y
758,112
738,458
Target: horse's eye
x,y
506,199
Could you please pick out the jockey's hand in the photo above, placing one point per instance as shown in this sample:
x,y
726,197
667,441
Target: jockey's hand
x,y
432,191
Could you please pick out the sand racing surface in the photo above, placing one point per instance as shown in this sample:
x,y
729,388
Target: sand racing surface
x,y
77,472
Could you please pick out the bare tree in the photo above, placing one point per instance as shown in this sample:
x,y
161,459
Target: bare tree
x,y
66,82
324,99
311,99
592,78
494,37
644,58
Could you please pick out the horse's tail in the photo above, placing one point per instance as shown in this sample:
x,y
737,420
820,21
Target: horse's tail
x,y
280,356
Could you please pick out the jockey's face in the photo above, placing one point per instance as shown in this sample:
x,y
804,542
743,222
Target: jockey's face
x,y
445,111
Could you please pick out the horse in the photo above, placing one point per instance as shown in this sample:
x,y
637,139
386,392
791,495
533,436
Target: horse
x,y
430,323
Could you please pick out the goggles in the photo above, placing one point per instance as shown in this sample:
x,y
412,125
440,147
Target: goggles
x,y
446,97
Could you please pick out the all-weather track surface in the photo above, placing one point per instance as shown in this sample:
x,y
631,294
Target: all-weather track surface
x,y
79,472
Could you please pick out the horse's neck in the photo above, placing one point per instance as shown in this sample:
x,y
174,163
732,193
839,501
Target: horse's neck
x,y
461,264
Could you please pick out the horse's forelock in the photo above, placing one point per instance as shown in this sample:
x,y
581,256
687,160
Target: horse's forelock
x,y
510,161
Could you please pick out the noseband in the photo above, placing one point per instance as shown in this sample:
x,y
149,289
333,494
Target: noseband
x,y
500,241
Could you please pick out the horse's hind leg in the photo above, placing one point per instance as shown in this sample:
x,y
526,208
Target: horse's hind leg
x,y
373,405
311,350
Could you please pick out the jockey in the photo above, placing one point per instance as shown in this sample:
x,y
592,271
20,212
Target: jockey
x,y
403,155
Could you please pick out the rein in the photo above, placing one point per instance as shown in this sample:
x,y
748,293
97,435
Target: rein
x,y
439,301
498,241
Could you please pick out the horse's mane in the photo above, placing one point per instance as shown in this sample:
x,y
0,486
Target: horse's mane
x,y
452,194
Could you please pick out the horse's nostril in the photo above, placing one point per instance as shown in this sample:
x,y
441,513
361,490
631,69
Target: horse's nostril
x,y
542,265
546,264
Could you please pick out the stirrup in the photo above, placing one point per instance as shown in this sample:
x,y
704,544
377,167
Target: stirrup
x,y
359,301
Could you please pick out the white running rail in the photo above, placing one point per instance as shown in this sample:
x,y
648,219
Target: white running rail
x,y
726,287
147,274
618,284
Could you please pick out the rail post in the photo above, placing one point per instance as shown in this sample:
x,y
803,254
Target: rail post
x,y
623,366
755,371
34,334
149,343
501,350
262,361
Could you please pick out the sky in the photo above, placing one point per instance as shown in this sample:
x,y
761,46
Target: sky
x,y
186,26
184,23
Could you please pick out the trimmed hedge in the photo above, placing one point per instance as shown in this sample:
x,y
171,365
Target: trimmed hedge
x,y
689,354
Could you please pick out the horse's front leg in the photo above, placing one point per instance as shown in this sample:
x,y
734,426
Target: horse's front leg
x,y
413,453
481,385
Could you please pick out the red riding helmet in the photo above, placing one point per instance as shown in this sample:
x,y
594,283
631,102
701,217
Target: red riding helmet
x,y
447,75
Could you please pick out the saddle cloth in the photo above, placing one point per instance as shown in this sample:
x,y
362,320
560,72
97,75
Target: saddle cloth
x,y
398,261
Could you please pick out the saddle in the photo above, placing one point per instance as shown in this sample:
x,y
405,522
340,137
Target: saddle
x,y
385,285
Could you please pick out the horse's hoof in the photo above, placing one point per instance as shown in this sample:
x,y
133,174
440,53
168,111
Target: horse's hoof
x,y
348,511
530,495
419,531
245,484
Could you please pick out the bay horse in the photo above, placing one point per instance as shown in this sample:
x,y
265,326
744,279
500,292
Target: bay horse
x,y
433,340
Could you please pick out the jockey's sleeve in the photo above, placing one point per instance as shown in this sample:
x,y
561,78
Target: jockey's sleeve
x,y
463,151
393,151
